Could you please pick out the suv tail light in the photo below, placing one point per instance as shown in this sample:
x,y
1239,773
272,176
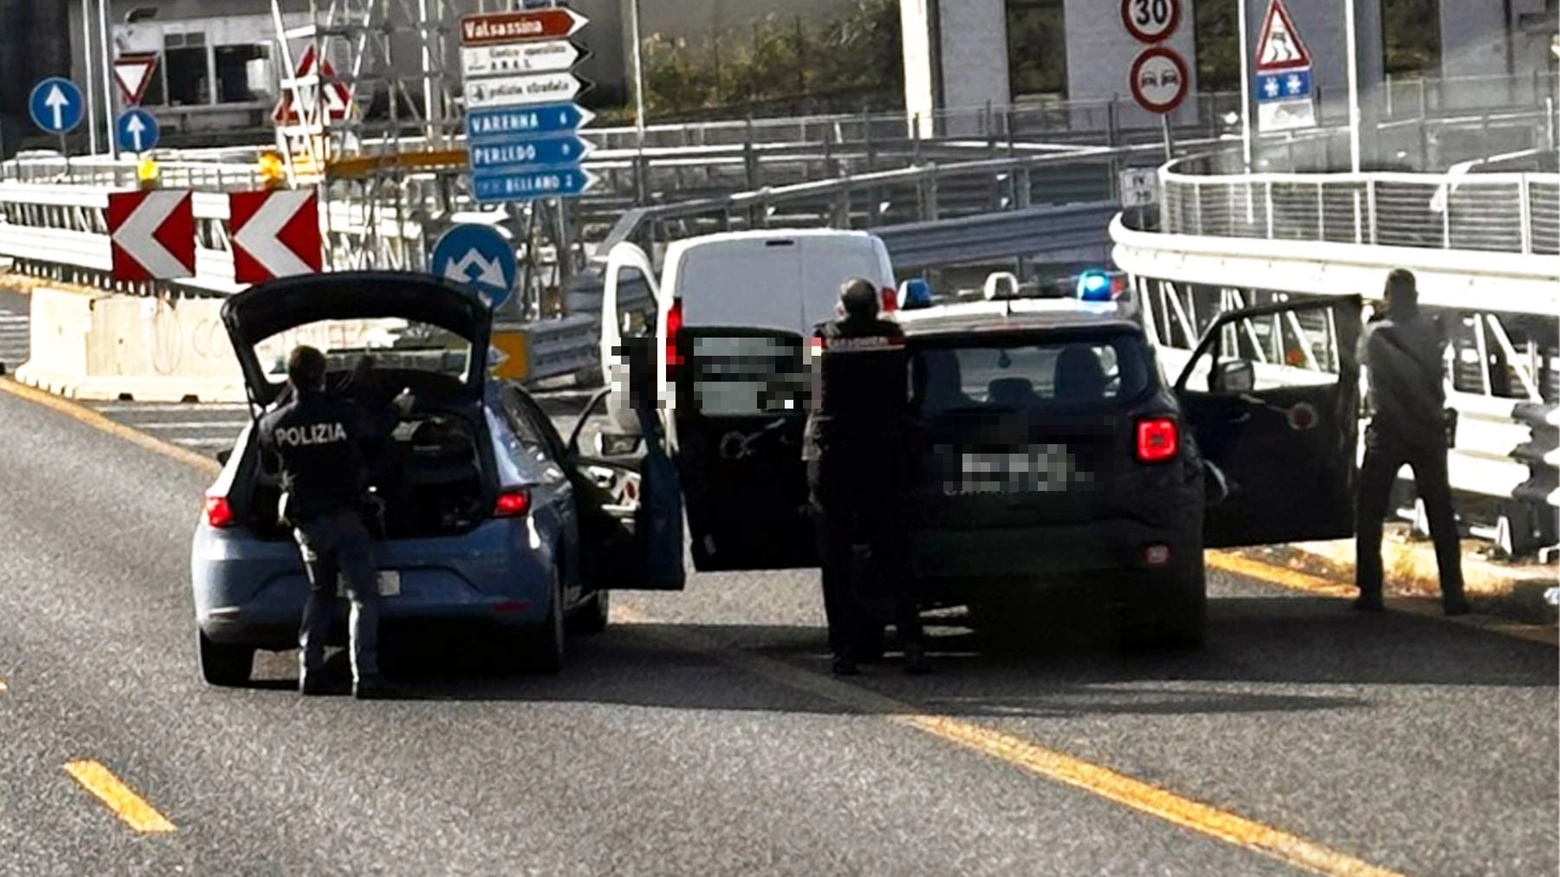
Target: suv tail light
x,y
1158,440
674,322
218,513
890,300
512,504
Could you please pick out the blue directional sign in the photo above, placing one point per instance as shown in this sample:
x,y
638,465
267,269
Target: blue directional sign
x,y
563,181
503,124
56,105
136,130
1287,85
519,155
477,256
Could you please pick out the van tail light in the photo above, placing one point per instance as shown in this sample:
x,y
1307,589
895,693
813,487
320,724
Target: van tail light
x,y
512,504
219,513
890,300
674,323
1158,440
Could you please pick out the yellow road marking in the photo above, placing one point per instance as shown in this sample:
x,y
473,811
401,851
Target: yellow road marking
x,y
1143,797
118,797
3,689
83,414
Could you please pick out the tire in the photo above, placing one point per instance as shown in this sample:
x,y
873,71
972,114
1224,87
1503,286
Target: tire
x,y
544,645
592,616
227,666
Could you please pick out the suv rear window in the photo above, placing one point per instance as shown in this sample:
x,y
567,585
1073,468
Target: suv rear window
x,y
1026,371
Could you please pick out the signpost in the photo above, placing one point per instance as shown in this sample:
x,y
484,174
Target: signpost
x,y
151,234
1283,74
275,234
136,130
1151,21
56,105
479,257
1159,79
133,73
338,101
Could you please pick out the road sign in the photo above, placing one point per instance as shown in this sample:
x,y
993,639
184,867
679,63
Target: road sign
x,y
1280,47
274,234
521,155
1139,187
136,130
506,123
133,72
559,182
477,256
1295,85
152,234
1159,79
509,91
1286,115
509,27
338,101
56,105
1151,21
549,56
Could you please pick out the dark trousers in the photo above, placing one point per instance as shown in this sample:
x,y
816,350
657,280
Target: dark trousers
x,y
337,545
1383,458
850,510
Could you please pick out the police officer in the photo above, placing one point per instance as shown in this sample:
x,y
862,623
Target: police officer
x,y
1402,354
324,482
857,433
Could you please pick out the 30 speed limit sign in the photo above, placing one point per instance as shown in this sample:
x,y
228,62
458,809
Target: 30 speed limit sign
x,y
1151,21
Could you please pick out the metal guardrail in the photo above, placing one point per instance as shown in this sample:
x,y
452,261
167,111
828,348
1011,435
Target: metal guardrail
x,y
995,236
1504,213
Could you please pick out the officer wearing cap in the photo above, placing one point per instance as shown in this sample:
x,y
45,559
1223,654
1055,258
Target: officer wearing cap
x,y
319,439
857,431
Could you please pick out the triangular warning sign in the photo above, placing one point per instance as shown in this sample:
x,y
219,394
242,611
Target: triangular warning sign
x,y
1280,47
134,74
337,99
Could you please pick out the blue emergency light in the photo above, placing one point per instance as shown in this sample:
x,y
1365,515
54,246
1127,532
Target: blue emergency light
x,y
1094,286
915,293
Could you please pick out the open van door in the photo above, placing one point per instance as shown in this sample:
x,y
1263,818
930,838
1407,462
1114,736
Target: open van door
x,y
630,300
1272,396
739,417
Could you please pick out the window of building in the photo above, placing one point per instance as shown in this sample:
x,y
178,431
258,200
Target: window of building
x,y
1037,47
233,72
189,69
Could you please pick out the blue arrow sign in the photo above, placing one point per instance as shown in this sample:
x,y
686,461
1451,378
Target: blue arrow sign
x,y
528,154
1288,85
479,257
503,124
136,130
557,182
56,105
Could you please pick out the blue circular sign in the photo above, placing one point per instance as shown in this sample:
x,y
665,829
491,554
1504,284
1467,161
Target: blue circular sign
x,y
136,130
56,105
480,257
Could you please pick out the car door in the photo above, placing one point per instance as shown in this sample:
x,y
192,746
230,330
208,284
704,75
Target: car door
x,y
630,300
739,418
539,442
630,506
1271,394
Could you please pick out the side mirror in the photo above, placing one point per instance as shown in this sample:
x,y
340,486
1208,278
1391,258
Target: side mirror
x,y
224,455
1233,376
616,444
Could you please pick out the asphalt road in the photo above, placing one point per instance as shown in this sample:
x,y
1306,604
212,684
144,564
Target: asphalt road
x,y
701,735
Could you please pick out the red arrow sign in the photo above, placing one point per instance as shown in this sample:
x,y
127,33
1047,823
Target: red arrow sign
x,y
274,234
152,235
513,27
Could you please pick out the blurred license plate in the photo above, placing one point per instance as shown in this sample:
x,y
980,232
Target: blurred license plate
x,y
389,584
1042,468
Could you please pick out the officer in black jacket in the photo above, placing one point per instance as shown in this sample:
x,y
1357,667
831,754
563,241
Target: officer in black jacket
x,y
855,448
317,438
1402,355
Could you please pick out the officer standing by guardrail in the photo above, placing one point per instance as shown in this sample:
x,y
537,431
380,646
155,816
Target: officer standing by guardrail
x,y
855,448
1401,351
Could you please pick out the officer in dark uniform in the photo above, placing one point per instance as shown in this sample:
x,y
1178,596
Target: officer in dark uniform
x,y
317,438
855,449
1402,354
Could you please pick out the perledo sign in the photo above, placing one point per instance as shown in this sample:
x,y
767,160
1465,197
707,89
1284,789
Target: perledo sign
x,y
1151,21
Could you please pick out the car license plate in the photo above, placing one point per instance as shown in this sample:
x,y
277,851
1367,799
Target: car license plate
x,y
389,584
1036,469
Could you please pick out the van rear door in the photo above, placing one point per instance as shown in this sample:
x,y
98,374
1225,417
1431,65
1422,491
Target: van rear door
x,y
830,260
750,282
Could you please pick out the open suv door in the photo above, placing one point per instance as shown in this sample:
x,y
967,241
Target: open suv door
x,y
1272,397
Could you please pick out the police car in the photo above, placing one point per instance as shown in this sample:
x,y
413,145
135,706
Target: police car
x,y
1052,450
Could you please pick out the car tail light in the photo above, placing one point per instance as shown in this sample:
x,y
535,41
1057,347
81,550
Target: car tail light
x,y
1158,440
512,504
218,513
674,322
890,299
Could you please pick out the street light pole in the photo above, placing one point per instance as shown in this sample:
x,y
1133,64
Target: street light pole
x,y
108,79
86,57
639,71
1354,87
1245,88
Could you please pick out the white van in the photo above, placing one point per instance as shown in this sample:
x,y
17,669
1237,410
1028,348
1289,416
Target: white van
x,y
772,281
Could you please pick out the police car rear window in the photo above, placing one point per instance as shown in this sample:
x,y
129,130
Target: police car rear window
x,y
1025,372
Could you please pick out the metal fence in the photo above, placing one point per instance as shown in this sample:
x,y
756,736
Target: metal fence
x,y
1501,212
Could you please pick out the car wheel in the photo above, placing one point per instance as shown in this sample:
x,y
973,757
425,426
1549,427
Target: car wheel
x,y
592,616
544,652
226,665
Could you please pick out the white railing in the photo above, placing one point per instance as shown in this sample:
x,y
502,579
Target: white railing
x,y
1498,212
